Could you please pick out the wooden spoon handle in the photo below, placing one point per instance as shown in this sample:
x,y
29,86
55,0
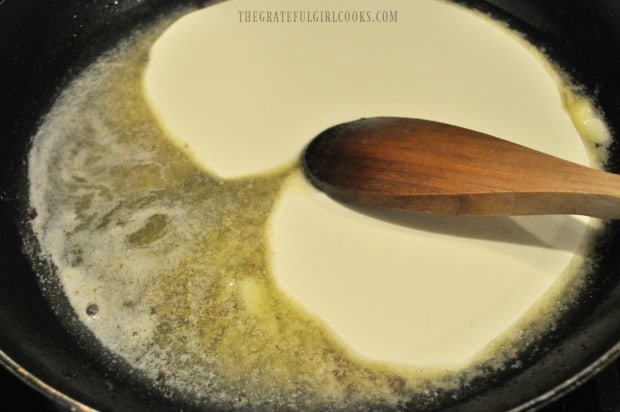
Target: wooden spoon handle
x,y
425,166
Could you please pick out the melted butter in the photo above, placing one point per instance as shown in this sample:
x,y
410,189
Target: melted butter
x,y
176,261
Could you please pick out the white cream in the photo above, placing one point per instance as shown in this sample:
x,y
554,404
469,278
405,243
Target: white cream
x,y
415,289
244,98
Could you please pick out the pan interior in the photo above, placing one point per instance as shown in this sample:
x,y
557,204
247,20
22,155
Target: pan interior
x,y
108,160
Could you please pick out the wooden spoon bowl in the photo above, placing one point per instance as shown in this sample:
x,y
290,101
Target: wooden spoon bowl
x,y
430,167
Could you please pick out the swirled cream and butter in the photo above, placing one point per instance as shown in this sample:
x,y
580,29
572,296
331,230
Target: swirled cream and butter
x,y
169,199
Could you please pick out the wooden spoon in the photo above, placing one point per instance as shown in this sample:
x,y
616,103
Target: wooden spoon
x,y
425,166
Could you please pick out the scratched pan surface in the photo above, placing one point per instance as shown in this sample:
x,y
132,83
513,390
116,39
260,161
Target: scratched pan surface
x,y
44,45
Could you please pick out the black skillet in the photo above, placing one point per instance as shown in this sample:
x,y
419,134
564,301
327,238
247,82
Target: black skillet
x,y
44,44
